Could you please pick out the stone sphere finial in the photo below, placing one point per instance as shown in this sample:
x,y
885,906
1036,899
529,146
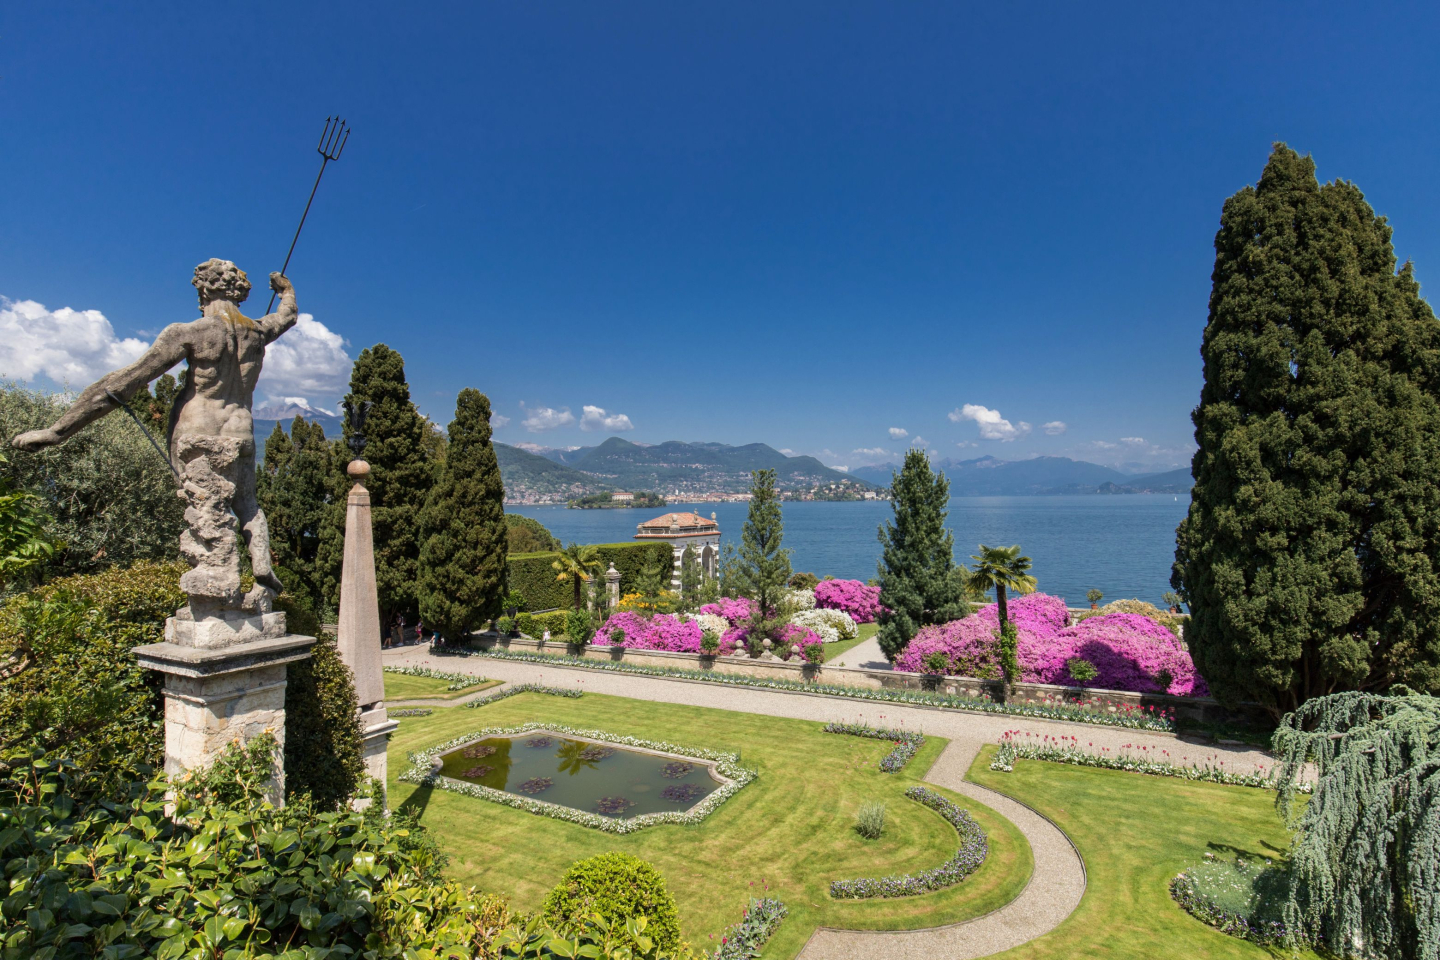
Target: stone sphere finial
x,y
358,469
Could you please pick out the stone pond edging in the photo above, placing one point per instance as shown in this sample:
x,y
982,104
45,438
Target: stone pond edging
x,y
1198,709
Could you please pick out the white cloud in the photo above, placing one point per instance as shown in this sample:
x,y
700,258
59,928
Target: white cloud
x,y
308,361
595,418
870,455
787,451
1106,445
1055,427
920,442
541,419
307,405
77,347
963,444
841,467
1133,441
498,420
898,433
992,425
74,347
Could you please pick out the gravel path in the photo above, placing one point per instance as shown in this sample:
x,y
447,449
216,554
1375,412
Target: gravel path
x,y
1058,880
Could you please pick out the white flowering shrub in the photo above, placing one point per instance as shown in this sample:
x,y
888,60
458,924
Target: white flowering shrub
x,y
710,622
801,599
831,625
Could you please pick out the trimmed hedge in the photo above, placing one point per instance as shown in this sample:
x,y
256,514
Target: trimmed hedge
x,y
535,624
617,886
532,576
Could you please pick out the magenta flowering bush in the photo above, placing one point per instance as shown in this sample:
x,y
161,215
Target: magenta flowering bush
x,y
734,609
862,602
661,632
1130,652
794,635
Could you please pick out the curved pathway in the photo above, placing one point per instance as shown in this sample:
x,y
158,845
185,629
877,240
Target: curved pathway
x,y
1058,880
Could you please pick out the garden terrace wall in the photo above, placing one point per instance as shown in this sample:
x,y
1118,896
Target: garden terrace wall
x,y
1198,709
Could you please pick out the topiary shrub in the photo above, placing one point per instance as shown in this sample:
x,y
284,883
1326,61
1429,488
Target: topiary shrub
x,y
616,886
322,728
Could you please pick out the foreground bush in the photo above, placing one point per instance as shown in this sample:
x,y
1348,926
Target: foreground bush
x,y
223,876
636,631
617,886
862,602
1128,651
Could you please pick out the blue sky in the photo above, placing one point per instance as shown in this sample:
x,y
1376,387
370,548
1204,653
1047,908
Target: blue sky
x,y
802,224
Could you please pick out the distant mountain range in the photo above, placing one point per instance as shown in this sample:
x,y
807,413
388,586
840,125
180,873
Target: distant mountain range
x,y
285,413
991,477
664,468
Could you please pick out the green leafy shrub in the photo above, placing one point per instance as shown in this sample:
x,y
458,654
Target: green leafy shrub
x,y
617,886
1081,670
92,878
803,581
73,682
1009,663
322,728
505,625
710,643
936,663
527,624
579,626
870,820
592,937
1094,595
528,535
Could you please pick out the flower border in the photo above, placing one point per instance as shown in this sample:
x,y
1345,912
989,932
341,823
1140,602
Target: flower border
x,y
907,742
1058,750
743,940
514,689
458,681
1136,720
423,772
974,848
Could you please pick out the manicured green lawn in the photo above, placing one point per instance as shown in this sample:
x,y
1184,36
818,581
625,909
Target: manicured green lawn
x,y
398,686
1135,833
867,630
786,835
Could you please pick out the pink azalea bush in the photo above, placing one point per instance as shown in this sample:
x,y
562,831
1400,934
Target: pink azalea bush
x,y
734,609
855,598
661,632
1130,652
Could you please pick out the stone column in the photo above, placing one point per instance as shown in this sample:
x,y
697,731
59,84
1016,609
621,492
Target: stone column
x,y
612,587
224,681
359,626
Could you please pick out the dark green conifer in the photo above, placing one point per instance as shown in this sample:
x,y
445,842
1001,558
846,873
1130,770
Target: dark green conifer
x,y
294,487
1310,558
401,475
763,565
462,553
919,582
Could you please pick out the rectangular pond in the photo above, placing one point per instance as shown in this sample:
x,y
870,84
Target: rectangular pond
x,y
588,775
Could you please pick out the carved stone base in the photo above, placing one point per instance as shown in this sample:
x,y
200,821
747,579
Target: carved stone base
x,y
375,729
225,630
215,696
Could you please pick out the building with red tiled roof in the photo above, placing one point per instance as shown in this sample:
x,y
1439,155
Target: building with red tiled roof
x,y
682,531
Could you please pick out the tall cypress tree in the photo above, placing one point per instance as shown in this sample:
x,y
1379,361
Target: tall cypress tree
x,y
764,565
463,545
401,475
1310,557
919,582
294,487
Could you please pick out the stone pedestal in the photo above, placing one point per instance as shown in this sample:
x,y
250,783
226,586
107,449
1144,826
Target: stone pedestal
x,y
612,588
358,638
220,692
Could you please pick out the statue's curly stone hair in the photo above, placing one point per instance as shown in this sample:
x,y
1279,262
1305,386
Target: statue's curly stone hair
x,y
218,279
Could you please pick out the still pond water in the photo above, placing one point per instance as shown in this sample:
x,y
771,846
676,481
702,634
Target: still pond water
x,y
598,778
1122,545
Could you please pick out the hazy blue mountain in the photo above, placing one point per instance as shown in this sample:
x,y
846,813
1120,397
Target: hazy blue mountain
x,y
992,477
700,467
265,418
531,478
561,454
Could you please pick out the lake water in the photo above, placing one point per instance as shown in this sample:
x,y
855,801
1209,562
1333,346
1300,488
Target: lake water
x,y
1124,545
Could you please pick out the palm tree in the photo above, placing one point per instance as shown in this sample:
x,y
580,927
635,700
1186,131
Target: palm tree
x,y
1002,569
576,564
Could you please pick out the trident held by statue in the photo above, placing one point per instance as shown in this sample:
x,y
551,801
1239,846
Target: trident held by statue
x,y
332,143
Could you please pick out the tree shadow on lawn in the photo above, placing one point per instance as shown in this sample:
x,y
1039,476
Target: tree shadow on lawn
x,y
415,804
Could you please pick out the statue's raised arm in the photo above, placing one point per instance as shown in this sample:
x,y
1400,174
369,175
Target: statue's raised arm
x,y
274,324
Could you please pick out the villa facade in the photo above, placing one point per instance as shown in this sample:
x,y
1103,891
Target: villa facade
x,y
682,530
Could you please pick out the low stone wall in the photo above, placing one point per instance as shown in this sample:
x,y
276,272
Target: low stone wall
x,y
1200,709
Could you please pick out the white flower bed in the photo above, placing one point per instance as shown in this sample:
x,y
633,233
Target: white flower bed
x,y
424,771
458,681
831,625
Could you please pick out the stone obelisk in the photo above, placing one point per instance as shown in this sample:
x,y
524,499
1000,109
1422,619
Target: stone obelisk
x,y
359,627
